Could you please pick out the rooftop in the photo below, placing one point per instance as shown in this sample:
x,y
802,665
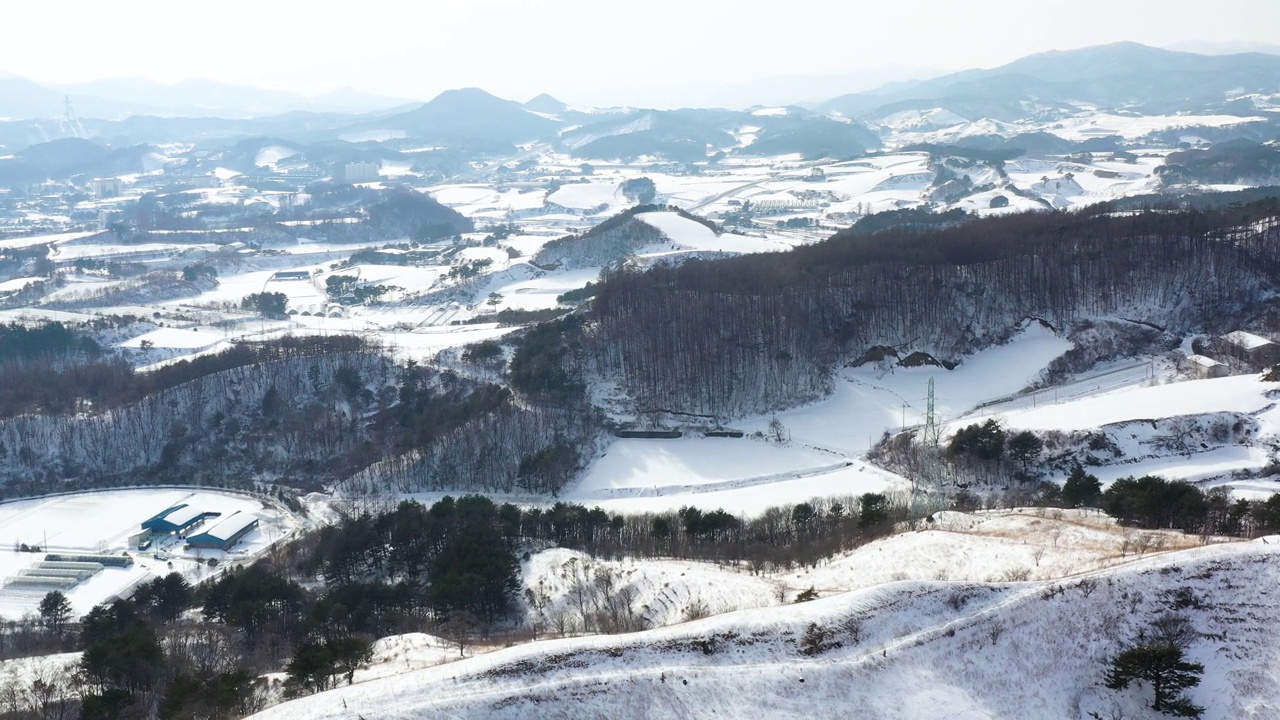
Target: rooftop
x,y
1246,340
1203,361
227,527
184,514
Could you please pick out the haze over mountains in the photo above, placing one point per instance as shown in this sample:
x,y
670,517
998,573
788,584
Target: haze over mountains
x,y
119,98
1049,102
1109,75
1120,76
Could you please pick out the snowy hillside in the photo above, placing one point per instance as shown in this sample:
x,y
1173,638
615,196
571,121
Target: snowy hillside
x,y
1222,430
1021,544
685,236
903,650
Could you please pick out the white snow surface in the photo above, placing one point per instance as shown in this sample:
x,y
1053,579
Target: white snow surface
x,y
398,654
174,338
21,672
869,401
30,240
17,284
1241,393
588,195
636,468
687,234
906,650
272,154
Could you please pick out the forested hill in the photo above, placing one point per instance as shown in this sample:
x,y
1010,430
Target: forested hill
x,y
760,332
612,241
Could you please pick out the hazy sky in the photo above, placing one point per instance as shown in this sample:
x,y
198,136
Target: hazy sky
x,y
584,51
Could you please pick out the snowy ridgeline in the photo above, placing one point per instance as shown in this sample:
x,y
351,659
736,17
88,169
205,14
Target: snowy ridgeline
x,y
912,649
673,338
570,592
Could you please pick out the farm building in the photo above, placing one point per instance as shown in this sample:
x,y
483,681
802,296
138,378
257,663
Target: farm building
x,y
1206,367
115,561
177,520
1252,348
224,534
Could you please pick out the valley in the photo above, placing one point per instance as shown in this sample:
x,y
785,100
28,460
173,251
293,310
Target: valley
x,y
939,399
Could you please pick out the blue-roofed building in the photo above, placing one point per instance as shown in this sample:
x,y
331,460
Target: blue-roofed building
x,y
177,520
225,533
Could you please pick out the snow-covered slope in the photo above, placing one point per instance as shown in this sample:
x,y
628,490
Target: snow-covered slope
x,y
1223,430
1241,393
1038,544
906,650
687,236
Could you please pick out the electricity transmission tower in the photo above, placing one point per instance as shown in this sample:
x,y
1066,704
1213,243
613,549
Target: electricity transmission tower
x,y
931,431
70,123
930,454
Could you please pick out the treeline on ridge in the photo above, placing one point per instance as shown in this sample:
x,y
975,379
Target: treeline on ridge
x,y
759,332
306,412
52,369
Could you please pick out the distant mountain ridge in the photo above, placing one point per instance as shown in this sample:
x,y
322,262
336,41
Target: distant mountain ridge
x,y
21,98
1024,97
119,98
1120,75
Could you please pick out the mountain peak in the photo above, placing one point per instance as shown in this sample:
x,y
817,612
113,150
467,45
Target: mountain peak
x,y
466,94
545,103
474,114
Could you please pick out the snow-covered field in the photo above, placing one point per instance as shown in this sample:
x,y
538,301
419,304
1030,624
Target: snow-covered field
x,y
54,239
102,523
1241,393
636,468
1176,430
869,400
689,236
824,440
950,553
173,338
399,654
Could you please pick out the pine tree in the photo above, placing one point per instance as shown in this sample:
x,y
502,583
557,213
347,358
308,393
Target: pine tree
x,y
1081,489
1163,667
55,611
1025,447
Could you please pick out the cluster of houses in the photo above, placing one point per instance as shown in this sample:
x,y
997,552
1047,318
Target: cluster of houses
x,y
1254,350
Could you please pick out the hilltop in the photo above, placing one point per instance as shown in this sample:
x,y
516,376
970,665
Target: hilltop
x,y
909,649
